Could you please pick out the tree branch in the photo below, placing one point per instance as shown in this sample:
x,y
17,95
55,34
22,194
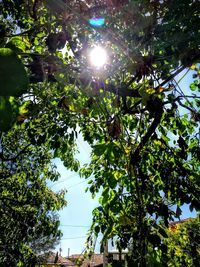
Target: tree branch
x,y
158,116
122,91
184,106
170,77
193,59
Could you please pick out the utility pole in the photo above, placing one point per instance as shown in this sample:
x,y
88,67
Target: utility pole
x,y
105,254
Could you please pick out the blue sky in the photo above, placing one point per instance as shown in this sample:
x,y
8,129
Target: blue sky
x,y
77,216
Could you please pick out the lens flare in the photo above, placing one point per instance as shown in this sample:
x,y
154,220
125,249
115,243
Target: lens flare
x,y
97,22
98,57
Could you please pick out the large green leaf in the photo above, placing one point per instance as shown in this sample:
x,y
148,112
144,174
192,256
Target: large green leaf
x,y
13,77
6,114
8,111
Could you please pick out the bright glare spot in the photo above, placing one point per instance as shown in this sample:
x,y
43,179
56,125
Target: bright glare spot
x,y
97,22
98,56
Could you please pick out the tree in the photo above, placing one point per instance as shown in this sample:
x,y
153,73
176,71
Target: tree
x,y
142,127
183,243
29,224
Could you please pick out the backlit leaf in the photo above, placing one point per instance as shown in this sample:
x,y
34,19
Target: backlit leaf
x,y
13,77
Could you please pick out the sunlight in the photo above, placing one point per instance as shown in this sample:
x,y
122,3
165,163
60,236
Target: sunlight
x,y
98,57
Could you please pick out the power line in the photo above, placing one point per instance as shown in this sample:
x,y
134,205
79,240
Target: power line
x,y
77,237
68,187
69,225
79,183
64,180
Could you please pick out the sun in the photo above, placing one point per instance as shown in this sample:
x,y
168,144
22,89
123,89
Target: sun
x,y
98,57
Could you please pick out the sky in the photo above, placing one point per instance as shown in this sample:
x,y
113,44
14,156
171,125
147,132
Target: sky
x,y
76,217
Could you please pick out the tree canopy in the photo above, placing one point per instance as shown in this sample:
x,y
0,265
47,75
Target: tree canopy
x,y
28,219
142,126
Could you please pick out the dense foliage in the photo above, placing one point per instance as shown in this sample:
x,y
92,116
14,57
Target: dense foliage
x,y
142,126
184,243
29,224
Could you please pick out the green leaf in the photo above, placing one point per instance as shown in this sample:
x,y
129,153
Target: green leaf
x,y
13,77
99,149
7,113
18,44
194,85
